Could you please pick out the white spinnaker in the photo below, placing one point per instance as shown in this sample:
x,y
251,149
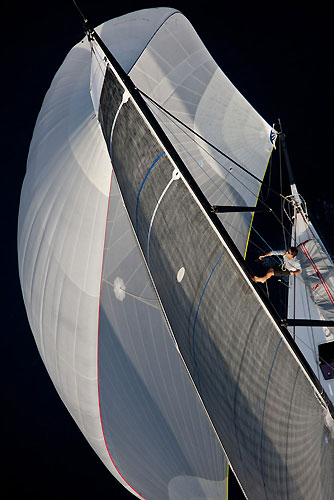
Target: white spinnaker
x,y
61,244
178,72
63,210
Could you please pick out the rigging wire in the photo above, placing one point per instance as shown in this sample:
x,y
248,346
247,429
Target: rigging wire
x,y
102,62
264,197
164,110
180,124
178,121
85,20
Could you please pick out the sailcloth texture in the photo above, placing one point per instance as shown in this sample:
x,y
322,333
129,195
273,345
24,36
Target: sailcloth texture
x,y
142,310
317,267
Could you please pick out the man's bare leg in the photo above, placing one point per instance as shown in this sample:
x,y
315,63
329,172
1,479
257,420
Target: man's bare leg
x,y
269,274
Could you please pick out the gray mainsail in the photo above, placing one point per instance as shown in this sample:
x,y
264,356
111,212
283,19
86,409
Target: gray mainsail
x,y
261,396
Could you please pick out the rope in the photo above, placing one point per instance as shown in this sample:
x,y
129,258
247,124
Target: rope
x,y
85,20
266,243
178,121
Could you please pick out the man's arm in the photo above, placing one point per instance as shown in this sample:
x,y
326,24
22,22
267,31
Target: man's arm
x,y
265,255
273,252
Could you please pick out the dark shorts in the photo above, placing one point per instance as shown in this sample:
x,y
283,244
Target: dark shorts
x,y
281,270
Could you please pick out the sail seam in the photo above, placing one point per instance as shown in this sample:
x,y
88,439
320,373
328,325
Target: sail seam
x,y
263,412
196,317
175,176
148,43
142,185
128,485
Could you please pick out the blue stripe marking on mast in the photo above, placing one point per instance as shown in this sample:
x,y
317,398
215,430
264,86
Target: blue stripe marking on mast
x,y
264,408
197,311
142,184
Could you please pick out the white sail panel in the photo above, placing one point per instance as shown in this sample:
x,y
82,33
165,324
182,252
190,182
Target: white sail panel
x,y
178,73
128,35
62,217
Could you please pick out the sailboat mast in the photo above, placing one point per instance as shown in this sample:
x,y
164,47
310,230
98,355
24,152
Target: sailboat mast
x,y
287,158
295,196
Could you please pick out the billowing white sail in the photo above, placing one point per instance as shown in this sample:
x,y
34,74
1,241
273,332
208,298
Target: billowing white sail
x,y
62,218
90,303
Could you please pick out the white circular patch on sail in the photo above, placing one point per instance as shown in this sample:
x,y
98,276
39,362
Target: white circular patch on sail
x,y
119,288
176,174
180,274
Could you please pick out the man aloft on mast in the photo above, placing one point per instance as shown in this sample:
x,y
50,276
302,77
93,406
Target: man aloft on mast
x,y
291,265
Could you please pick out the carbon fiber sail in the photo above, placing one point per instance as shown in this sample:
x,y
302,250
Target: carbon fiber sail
x,y
263,400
